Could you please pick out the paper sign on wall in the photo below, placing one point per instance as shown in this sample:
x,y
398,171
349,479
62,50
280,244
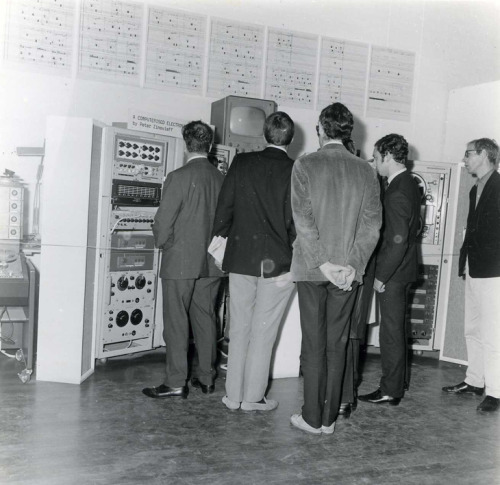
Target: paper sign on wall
x,y
155,123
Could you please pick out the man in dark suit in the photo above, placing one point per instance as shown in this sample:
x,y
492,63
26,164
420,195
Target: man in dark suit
x,y
396,265
480,264
359,319
190,280
255,215
337,214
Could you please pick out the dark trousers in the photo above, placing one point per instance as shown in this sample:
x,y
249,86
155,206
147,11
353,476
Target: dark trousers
x,y
189,301
393,338
357,333
324,320
351,374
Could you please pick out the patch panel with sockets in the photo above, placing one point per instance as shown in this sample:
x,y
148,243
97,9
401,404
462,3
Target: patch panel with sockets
x,y
136,158
131,221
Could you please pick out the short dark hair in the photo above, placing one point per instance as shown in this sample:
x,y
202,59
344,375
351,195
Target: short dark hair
x,y
394,144
490,146
279,129
337,121
198,136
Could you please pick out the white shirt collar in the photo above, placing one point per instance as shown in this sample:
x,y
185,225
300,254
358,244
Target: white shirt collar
x,y
192,157
278,147
333,142
394,175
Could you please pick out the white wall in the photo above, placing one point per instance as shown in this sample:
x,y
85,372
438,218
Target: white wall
x,y
472,113
456,44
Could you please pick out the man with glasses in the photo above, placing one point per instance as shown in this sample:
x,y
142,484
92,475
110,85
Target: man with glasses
x,y
337,214
479,264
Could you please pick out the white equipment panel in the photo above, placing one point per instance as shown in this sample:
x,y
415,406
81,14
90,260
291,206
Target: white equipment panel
x,y
134,166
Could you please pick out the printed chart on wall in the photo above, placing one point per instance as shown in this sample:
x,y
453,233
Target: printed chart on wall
x,y
391,84
235,62
342,74
175,50
110,40
291,67
39,34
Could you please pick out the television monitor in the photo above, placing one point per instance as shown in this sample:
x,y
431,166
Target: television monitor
x,y
239,122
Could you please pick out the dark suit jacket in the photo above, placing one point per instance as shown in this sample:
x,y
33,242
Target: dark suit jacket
x,y
482,237
183,223
254,213
397,255
337,212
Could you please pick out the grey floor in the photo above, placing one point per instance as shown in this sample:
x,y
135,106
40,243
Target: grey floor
x,y
106,432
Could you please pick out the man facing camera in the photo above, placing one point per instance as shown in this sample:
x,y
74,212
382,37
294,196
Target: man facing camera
x,y
337,214
480,265
396,265
190,280
255,215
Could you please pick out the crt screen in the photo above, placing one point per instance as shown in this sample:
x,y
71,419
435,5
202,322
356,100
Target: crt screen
x,y
247,121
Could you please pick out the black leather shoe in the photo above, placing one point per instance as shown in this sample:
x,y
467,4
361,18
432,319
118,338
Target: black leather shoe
x,y
166,391
195,382
345,409
377,397
464,388
489,404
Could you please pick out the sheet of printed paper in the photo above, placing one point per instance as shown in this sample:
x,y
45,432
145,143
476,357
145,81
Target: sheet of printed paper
x,y
391,84
291,68
110,40
175,50
342,74
235,59
40,33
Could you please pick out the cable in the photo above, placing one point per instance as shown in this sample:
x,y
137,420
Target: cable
x,y
116,223
9,339
130,342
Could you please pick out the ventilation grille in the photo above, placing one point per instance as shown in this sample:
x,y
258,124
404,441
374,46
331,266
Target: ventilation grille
x,y
136,192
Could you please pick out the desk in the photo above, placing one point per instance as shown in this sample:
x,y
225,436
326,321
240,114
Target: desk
x,y
17,324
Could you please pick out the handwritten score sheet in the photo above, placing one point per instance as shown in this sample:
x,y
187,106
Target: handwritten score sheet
x,y
342,74
291,68
110,40
175,50
236,59
391,83
40,33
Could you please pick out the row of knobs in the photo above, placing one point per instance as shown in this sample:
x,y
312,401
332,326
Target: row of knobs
x,y
130,219
122,318
123,281
135,146
144,156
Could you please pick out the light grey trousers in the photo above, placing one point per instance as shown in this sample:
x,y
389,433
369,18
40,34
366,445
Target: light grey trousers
x,y
256,307
482,333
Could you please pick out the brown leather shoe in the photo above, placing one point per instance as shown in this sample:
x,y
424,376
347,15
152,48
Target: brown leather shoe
x,y
464,388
